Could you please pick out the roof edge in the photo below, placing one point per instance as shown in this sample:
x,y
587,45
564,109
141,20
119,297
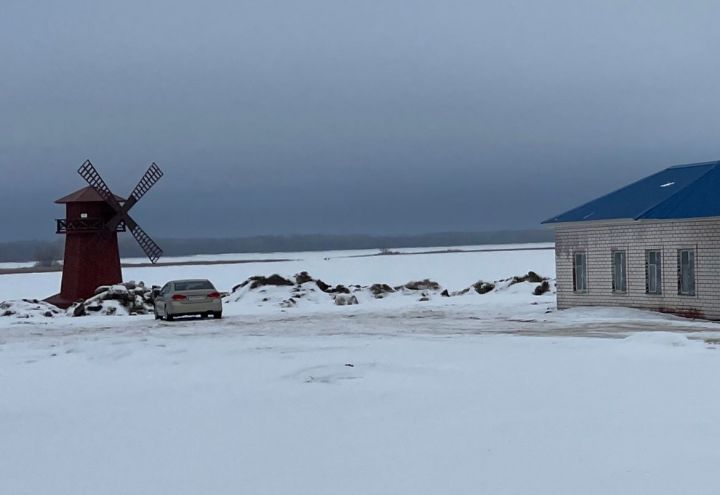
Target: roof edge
x,y
631,221
92,196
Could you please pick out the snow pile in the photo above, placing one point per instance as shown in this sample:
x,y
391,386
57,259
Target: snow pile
x,y
29,308
275,290
128,298
279,291
525,282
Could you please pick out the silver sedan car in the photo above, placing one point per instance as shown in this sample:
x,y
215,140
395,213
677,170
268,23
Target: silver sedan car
x,y
188,297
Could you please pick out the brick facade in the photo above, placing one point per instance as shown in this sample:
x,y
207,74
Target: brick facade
x,y
599,239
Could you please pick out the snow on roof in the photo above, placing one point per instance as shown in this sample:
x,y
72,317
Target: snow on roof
x,y
682,191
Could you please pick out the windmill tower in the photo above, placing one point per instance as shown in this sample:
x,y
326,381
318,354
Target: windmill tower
x,y
93,218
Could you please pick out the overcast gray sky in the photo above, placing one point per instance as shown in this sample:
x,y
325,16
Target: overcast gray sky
x,y
392,116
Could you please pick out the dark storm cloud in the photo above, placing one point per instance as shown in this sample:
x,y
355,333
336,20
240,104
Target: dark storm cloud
x,y
354,116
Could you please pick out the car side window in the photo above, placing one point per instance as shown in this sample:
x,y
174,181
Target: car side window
x,y
165,290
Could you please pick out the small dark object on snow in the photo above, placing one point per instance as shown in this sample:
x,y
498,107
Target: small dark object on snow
x,y
534,278
349,365
424,299
422,285
542,288
339,289
531,277
303,278
445,293
7,312
322,285
288,303
379,290
483,287
79,310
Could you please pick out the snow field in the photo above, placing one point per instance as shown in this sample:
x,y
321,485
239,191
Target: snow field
x,y
452,270
206,412
452,395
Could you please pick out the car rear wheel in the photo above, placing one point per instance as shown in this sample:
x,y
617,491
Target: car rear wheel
x,y
217,315
168,316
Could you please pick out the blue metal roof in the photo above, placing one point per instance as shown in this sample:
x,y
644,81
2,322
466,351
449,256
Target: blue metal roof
x,y
683,191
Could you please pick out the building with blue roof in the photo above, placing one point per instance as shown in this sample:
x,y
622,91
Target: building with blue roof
x,y
653,244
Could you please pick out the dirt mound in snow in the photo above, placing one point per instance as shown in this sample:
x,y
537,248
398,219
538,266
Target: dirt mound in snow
x,y
262,281
276,290
422,285
303,278
29,308
531,277
482,287
542,288
129,298
380,290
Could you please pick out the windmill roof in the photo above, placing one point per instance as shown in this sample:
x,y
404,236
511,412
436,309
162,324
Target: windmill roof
x,y
679,192
85,195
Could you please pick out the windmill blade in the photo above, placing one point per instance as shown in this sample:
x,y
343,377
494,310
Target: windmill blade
x,y
152,250
152,175
87,171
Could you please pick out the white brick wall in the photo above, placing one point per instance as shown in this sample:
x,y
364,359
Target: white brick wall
x,y
598,239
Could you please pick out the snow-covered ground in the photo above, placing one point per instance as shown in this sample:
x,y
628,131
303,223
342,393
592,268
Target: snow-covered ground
x,y
453,270
496,393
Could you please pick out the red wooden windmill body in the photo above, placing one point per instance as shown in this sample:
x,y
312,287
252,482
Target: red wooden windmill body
x,y
93,218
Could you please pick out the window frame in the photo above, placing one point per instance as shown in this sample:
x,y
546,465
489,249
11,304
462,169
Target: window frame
x,y
623,270
658,272
576,289
692,292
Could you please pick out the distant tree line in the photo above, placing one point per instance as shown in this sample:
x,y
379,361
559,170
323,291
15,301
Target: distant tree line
x,y
47,251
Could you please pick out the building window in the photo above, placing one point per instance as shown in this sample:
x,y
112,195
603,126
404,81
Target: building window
x,y
580,272
619,272
653,272
686,272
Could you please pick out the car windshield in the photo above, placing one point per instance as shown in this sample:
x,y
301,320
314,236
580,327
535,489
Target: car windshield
x,y
193,285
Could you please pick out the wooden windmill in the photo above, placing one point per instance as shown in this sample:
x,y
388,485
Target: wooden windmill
x,y
94,216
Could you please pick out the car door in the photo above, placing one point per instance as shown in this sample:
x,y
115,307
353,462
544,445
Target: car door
x,y
161,300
